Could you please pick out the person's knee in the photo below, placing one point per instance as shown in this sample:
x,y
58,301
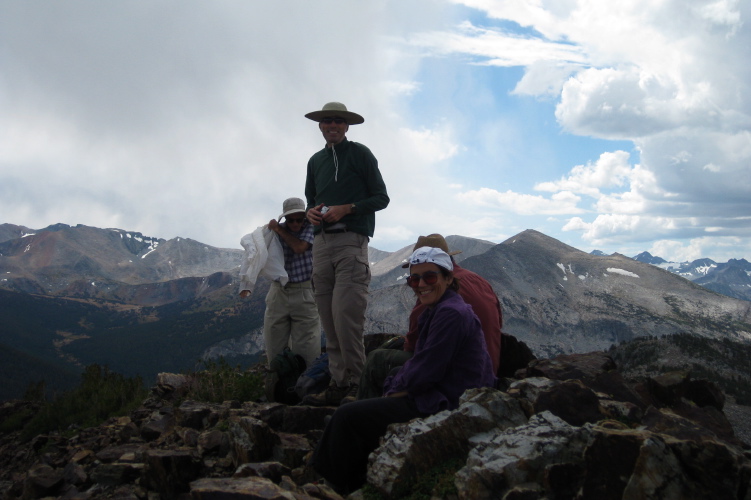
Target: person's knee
x,y
347,415
374,364
374,356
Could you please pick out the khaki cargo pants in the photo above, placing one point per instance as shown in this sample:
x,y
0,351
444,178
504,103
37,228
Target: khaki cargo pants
x,y
341,275
291,319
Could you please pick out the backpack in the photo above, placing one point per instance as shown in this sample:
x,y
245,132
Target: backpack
x,y
394,343
315,378
288,366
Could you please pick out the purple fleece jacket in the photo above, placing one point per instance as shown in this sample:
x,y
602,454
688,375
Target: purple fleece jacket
x,y
450,357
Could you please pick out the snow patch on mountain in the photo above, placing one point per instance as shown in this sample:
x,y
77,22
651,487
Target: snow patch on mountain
x,y
568,269
622,272
562,268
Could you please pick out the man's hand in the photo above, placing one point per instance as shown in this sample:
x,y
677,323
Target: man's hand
x,y
274,225
314,215
336,212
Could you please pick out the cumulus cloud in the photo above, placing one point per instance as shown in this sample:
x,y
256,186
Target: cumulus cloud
x,y
498,48
620,104
432,145
545,78
672,77
629,227
562,202
625,228
611,169
186,119
724,248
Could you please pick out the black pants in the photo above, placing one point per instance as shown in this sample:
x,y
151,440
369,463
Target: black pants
x,y
378,366
353,433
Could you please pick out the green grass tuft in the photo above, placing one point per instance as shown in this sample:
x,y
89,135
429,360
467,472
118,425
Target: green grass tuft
x,y
101,395
216,382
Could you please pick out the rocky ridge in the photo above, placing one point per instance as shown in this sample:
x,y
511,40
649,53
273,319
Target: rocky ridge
x,y
732,278
85,261
568,427
558,299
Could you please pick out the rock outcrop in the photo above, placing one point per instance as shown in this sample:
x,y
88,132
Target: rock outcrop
x,y
568,427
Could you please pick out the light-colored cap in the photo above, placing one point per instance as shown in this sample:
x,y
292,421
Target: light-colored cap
x,y
431,255
432,240
292,206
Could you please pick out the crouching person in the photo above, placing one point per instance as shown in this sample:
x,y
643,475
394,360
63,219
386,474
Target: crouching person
x,y
450,357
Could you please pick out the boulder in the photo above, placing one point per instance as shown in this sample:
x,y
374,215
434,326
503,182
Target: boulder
x,y
572,401
116,473
504,459
668,388
212,442
155,427
515,355
291,450
193,414
704,393
410,449
42,481
245,487
253,440
270,470
169,472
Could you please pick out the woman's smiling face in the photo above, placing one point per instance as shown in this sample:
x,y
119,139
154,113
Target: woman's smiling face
x,y
430,294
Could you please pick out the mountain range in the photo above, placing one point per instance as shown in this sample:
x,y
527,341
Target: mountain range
x,y
732,278
75,295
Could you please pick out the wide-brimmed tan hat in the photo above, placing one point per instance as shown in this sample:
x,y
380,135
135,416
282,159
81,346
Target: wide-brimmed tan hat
x,y
434,240
292,206
332,109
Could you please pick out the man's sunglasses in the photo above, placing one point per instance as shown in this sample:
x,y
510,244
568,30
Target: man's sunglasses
x,y
329,120
430,278
295,220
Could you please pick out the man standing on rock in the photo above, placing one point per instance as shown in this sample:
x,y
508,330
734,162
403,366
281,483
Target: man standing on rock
x,y
291,317
344,189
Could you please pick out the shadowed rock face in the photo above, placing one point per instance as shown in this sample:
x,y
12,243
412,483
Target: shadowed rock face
x,y
568,427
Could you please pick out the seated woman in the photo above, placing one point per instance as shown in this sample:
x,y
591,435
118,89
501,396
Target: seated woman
x,y
450,357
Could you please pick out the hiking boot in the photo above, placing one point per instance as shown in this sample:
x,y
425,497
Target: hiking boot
x,y
351,395
332,396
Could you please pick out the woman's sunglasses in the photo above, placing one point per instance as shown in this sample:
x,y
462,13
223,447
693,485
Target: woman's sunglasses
x,y
430,278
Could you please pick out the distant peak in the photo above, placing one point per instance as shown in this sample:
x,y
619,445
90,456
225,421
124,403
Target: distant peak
x,y
648,258
57,227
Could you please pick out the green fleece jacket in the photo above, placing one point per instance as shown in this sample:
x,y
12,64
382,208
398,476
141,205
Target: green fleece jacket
x,y
344,174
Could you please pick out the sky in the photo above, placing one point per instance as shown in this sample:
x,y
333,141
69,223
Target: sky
x,y
617,126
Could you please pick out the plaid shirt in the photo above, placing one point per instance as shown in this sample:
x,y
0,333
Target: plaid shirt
x,y
299,266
